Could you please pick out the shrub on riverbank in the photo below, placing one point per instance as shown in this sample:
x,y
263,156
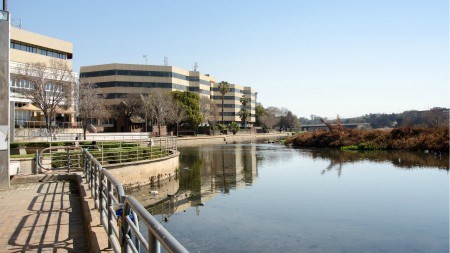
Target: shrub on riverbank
x,y
405,138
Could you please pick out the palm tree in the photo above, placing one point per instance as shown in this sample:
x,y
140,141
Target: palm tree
x,y
244,112
223,87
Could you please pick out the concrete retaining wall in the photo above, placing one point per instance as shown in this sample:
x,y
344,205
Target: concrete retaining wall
x,y
145,172
223,139
26,165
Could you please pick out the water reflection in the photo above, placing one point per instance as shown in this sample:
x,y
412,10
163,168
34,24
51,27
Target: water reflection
x,y
204,173
269,198
208,171
400,159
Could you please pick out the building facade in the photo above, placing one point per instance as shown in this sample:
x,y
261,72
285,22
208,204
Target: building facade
x,y
115,81
28,48
232,104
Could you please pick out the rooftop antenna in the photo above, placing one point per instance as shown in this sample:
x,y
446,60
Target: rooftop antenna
x,y
145,58
195,66
166,61
5,5
16,22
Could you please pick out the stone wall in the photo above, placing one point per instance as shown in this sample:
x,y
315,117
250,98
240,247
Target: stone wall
x,y
145,172
224,139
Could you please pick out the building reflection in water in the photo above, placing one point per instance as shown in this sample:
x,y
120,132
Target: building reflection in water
x,y
208,171
204,173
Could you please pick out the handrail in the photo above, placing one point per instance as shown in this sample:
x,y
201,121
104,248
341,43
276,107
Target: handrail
x,y
67,158
120,214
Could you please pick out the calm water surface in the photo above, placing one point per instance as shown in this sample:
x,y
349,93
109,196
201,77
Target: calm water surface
x,y
269,198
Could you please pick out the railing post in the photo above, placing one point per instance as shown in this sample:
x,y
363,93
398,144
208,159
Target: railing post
x,y
68,160
153,243
109,206
97,185
91,174
137,150
100,199
36,163
102,147
124,228
136,240
120,152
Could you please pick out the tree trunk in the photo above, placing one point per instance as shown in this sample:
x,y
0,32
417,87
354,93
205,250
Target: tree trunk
x,y
84,130
222,110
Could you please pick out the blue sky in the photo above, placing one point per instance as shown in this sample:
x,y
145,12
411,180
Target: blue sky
x,y
312,57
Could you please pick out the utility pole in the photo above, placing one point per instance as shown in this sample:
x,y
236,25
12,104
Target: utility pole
x,y
4,97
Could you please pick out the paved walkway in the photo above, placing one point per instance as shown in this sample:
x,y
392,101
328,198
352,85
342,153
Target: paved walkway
x,y
42,217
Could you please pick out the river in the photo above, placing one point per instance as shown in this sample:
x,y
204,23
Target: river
x,y
270,198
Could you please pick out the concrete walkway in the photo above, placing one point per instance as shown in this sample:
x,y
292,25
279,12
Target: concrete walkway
x,y
42,217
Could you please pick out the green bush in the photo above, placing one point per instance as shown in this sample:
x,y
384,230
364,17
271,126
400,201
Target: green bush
x,y
350,147
234,127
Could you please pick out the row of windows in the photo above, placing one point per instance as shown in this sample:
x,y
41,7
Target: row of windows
x,y
142,85
197,79
235,114
201,91
119,72
246,92
115,95
229,90
230,106
226,98
234,106
38,50
15,84
152,85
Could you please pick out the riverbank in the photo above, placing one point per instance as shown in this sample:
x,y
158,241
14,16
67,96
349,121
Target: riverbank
x,y
405,138
225,139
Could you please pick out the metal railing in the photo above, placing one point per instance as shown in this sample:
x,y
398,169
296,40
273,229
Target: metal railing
x,y
107,153
63,134
122,216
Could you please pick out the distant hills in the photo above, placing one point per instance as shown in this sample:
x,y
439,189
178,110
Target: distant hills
x,y
435,117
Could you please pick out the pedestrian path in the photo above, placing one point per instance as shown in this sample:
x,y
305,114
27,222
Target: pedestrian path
x,y
42,217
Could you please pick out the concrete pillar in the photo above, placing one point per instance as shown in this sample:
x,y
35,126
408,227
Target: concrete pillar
x,y
4,100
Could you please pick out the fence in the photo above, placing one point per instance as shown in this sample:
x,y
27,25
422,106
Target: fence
x,y
37,134
122,216
107,152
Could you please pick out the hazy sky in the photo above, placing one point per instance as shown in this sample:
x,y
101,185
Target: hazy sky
x,y
312,57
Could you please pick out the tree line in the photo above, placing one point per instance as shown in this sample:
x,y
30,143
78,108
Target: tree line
x,y
435,117
275,118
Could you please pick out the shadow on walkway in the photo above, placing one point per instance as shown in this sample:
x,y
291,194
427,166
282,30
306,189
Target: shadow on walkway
x,y
42,217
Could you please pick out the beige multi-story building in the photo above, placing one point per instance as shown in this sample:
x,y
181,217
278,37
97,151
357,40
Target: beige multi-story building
x,y
25,48
232,104
115,81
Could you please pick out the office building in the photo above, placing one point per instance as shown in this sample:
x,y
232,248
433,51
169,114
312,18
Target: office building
x,y
115,81
28,48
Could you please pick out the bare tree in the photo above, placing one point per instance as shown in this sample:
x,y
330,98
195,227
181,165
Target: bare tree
x,y
209,110
437,117
46,85
131,106
90,105
176,113
269,121
157,105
